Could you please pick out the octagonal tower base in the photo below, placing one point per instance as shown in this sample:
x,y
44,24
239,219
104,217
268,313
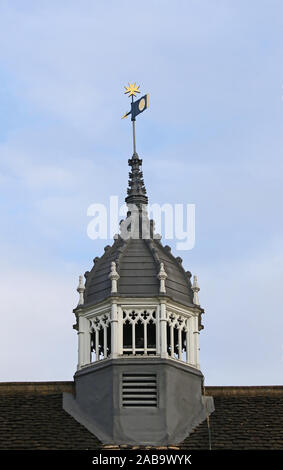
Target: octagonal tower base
x,y
138,401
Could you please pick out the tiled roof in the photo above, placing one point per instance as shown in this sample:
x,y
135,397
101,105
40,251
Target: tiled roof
x,y
32,417
244,418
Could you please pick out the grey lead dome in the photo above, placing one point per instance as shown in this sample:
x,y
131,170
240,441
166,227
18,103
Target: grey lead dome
x,y
138,259
138,264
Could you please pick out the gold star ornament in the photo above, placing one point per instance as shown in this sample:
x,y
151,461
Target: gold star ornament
x,y
132,89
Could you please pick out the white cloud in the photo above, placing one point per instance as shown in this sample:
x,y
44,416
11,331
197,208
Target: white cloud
x,y
22,162
212,137
242,341
37,342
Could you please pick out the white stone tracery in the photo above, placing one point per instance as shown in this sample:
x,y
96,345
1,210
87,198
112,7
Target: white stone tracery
x,y
100,324
134,327
162,330
179,323
133,317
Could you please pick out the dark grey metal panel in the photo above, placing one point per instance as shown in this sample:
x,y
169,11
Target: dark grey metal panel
x,y
179,405
136,281
149,290
138,272
142,265
176,286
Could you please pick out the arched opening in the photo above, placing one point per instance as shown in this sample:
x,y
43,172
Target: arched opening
x,y
176,337
100,338
139,332
127,337
151,337
139,335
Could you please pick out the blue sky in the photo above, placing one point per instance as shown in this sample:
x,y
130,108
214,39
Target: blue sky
x,y
212,137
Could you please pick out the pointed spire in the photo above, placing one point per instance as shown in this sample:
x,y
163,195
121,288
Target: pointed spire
x,y
195,289
80,290
136,191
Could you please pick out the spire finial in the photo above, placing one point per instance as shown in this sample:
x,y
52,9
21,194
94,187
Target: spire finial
x,y
136,199
114,277
80,290
136,191
162,276
196,289
132,89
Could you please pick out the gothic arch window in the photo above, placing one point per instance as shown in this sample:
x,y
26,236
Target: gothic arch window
x,y
100,337
176,336
139,332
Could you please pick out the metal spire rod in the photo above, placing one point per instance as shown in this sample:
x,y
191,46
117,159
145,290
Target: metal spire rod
x,y
136,190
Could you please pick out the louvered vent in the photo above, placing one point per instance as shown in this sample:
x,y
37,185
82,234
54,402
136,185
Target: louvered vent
x,y
139,390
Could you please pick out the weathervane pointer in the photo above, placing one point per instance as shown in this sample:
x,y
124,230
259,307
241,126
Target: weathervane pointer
x,y
137,107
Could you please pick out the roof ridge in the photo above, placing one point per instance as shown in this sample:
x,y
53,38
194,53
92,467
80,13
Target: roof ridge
x,y
244,390
43,388
68,386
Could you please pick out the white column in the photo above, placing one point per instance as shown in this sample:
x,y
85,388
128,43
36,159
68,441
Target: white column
x,y
196,341
133,337
191,355
105,342
180,344
96,345
114,330
172,345
187,341
157,325
120,331
163,330
83,342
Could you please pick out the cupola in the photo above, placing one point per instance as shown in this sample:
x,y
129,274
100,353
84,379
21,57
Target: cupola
x,y
138,379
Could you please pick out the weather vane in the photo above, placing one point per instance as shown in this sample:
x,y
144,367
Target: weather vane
x,y
137,107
